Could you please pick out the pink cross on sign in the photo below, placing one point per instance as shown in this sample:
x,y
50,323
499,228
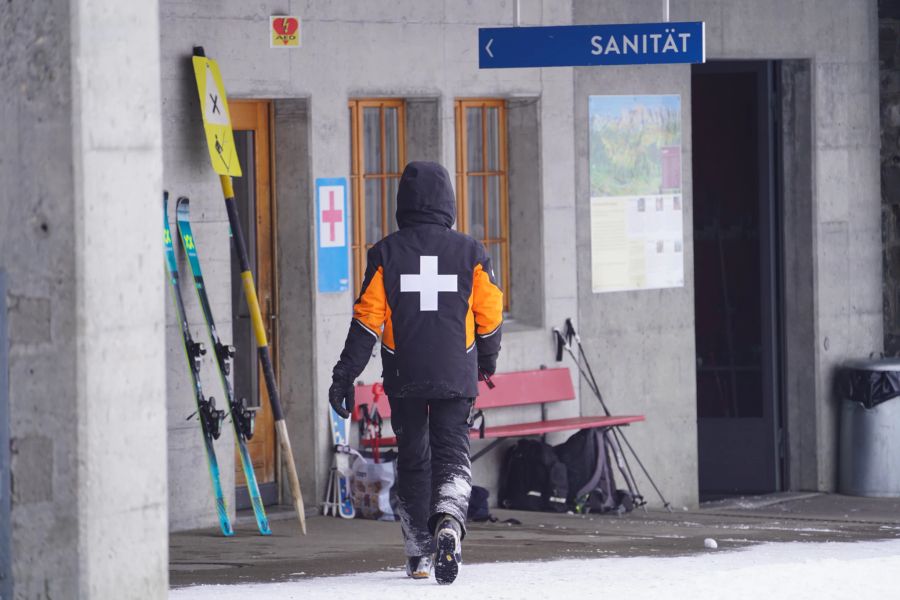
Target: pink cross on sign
x,y
332,216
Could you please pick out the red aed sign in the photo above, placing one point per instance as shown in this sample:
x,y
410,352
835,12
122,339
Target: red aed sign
x,y
284,31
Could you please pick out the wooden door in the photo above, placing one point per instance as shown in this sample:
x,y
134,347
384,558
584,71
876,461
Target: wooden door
x,y
253,194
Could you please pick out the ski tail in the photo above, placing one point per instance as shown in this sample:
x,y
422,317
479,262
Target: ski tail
x,y
221,507
262,521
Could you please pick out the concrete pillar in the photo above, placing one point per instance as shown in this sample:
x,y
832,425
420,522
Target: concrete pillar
x,y
80,241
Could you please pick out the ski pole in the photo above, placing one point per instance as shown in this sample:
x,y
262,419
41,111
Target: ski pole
x,y
615,443
564,343
665,502
262,344
616,433
592,383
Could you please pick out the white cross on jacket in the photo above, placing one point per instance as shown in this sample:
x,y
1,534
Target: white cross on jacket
x,y
428,283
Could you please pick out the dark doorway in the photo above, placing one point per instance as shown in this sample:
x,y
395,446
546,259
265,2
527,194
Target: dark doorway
x,y
736,296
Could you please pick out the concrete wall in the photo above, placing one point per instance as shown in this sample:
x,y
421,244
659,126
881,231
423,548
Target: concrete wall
x,y
798,263
295,202
647,353
5,479
80,167
889,71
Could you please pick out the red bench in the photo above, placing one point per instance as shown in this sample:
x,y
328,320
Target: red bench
x,y
511,389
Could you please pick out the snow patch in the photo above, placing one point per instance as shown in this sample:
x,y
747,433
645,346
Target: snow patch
x,y
800,571
453,496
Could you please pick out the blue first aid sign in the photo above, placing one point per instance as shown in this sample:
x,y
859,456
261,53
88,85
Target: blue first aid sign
x,y
331,233
592,45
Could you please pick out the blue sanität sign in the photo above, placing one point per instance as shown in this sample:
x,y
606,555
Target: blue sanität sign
x,y
592,45
331,235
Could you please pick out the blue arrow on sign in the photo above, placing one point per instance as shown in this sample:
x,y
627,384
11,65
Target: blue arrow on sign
x,y
592,45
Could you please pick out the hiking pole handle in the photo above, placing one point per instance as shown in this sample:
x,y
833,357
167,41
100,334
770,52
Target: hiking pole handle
x,y
570,331
560,344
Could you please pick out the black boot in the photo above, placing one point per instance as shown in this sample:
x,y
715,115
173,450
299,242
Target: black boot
x,y
449,550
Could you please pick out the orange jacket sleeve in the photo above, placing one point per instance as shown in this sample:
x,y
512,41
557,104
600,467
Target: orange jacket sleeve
x,y
487,307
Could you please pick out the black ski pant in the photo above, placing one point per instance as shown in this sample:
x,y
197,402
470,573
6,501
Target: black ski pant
x,y
434,474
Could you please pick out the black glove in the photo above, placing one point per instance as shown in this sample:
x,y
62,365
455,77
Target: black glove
x,y
487,363
341,398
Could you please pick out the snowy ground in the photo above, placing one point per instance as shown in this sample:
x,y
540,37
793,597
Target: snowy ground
x,y
792,571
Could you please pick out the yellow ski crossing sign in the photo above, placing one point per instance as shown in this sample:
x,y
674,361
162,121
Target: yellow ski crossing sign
x,y
216,118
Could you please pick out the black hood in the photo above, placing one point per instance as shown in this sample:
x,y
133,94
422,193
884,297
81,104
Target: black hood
x,y
425,196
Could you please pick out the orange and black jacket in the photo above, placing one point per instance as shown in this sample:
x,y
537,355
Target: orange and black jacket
x,y
428,295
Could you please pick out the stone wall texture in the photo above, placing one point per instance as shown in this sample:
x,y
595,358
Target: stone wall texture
x,y
889,79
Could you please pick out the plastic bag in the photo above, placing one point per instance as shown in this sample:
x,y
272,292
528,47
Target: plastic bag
x,y
372,485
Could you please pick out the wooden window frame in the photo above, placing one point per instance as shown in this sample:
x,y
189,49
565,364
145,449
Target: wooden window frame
x,y
361,245
462,178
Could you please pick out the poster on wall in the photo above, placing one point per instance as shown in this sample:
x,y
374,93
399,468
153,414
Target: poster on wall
x,y
637,224
331,233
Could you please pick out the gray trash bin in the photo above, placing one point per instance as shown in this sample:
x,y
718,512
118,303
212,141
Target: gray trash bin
x,y
870,428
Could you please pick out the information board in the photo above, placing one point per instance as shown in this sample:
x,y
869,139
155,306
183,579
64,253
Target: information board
x,y
637,216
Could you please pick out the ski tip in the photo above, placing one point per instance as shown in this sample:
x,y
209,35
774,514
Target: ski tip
x,y
199,51
185,202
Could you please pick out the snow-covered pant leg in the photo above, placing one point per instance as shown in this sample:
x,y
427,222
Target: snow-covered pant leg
x,y
451,470
409,419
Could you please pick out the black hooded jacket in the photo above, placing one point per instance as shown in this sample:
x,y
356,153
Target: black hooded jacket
x,y
428,294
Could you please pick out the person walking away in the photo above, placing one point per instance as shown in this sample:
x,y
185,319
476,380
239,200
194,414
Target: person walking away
x,y
429,294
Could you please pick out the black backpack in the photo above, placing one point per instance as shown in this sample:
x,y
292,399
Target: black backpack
x,y
479,508
592,487
533,478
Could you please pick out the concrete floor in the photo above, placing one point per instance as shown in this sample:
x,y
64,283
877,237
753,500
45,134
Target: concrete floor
x,y
336,546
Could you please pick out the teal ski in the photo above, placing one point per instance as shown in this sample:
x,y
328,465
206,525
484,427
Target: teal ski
x,y
210,418
242,416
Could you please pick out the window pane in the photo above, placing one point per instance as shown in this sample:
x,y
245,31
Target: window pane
x,y
391,147
392,184
372,134
493,139
494,229
476,208
373,211
473,139
496,263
